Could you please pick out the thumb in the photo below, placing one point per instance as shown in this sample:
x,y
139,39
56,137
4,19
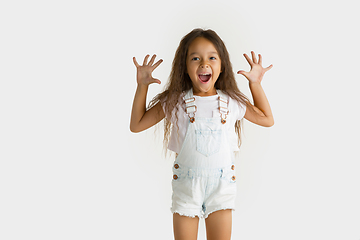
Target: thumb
x,y
154,80
268,68
242,73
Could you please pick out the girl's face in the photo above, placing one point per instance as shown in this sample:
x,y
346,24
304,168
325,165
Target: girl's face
x,y
203,66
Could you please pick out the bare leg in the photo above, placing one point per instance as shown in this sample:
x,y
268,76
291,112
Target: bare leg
x,y
185,228
218,225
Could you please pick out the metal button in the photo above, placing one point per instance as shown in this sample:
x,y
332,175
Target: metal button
x,y
233,178
233,167
175,177
176,166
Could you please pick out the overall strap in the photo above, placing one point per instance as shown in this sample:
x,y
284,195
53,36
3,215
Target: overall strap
x,y
190,106
223,106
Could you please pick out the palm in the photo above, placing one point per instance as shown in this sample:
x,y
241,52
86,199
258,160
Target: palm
x,y
144,72
257,71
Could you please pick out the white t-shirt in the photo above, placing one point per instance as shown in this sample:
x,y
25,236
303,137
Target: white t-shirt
x,y
206,107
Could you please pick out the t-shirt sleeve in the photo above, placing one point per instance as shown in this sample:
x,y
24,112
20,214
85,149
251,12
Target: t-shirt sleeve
x,y
170,116
238,108
176,137
163,104
167,115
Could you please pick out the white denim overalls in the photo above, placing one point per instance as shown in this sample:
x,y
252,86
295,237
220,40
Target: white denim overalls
x,y
204,170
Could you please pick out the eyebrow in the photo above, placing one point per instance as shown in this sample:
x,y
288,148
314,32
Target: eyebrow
x,y
194,53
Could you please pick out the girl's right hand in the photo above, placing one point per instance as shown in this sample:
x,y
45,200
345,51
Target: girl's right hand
x,y
143,74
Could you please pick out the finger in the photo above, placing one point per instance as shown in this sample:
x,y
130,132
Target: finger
x,y
145,59
135,62
152,59
248,59
253,57
260,59
157,63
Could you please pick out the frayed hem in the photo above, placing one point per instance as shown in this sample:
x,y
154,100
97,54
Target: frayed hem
x,y
202,215
187,215
218,209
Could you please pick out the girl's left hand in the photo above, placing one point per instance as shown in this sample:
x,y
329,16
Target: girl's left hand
x,y
257,71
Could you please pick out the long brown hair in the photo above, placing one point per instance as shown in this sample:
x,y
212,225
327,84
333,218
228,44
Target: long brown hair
x,y
179,80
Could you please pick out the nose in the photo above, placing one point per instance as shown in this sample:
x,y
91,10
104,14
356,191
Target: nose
x,y
204,65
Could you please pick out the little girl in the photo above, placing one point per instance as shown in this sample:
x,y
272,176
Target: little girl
x,y
202,107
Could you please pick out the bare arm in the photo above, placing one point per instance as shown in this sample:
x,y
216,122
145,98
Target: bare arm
x,y
140,118
262,114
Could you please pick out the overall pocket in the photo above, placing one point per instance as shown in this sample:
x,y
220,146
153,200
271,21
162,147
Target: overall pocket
x,y
208,141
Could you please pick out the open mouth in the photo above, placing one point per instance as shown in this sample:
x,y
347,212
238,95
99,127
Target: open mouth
x,y
204,77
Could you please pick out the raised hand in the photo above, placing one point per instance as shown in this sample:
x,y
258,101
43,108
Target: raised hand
x,y
143,74
257,71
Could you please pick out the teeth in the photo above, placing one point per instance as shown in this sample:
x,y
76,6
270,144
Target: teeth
x,y
204,74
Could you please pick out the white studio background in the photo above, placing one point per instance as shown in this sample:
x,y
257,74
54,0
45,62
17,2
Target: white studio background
x,y
71,169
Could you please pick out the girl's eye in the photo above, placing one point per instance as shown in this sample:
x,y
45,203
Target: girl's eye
x,y
213,58
195,58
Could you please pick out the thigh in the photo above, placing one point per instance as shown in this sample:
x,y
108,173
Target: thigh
x,y
185,228
218,225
